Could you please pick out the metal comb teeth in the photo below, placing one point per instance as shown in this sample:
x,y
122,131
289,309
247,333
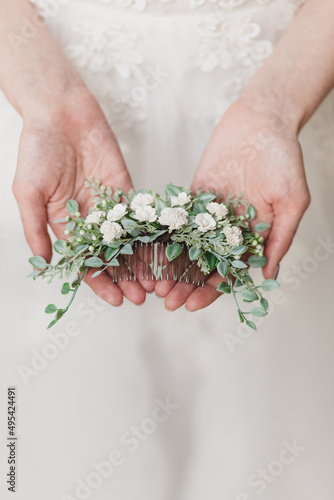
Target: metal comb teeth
x,y
149,261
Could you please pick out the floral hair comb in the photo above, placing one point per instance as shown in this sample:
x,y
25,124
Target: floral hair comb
x,y
179,237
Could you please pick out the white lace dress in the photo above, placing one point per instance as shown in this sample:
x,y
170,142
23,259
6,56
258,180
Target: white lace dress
x,y
255,410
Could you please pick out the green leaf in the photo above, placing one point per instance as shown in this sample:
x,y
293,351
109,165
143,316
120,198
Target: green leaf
x,y
211,260
258,311
251,324
109,253
127,249
97,273
156,235
264,303
172,190
38,262
251,212
198,208
113,262
205,197
58,221
269,285
256,261
223,268
80,249
128,223
70,226
241,317
94,262
61,247
51,308
65,289
238,283
195,253
261,226
115,244
173,251
248,295
60,313
160,205
239,264
144,239
72,207
53,322
239,250
135,232
224,287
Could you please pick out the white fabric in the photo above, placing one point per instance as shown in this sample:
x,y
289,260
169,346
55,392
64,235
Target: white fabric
x,y
163,78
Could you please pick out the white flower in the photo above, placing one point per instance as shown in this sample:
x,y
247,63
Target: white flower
x,y
233,236
142,200
180,200
218,209
110,231
174,218
146,214
94,217
117,212
205,222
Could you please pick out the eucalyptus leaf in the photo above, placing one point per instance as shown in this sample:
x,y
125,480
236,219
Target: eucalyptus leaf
x,y
224,287
261,226
239,250
258,311
211,260
72,207
113,263
156,235
269,285
195,253
65,289
38,262
256,261
61,247
223,269
51,308
251,212
239,264
97,273
172,190
248,295
264,303
94,262
173,251
109,253
127,249
160,205
251,324
144,239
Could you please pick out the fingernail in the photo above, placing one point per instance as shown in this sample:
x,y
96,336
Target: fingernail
x,y
276,272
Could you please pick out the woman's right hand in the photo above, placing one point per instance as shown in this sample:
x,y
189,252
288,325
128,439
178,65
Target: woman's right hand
x,y
57,152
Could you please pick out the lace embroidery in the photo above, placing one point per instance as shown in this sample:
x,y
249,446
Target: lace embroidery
x,y
107,56
233,46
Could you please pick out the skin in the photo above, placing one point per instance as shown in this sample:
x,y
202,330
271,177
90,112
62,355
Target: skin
x,y
254,150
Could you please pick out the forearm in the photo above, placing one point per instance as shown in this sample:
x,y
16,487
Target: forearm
x,y
33,71
300,72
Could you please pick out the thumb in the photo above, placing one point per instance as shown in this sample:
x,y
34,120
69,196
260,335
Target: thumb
x,y
283,230
33,213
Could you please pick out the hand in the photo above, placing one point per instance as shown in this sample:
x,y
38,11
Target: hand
x,y
258,154
57,153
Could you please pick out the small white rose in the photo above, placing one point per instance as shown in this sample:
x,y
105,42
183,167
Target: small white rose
x,y
174,218
146,214
218,209
205,222
117,212
110,231
142,200
180,200
233,236
94,217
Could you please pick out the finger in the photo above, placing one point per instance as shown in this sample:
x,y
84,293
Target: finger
x,y
33,213
204,296
163,287
178,295
283,230
132,290
103,286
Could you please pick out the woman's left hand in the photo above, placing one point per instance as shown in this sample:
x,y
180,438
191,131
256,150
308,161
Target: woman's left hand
x,y
257,154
